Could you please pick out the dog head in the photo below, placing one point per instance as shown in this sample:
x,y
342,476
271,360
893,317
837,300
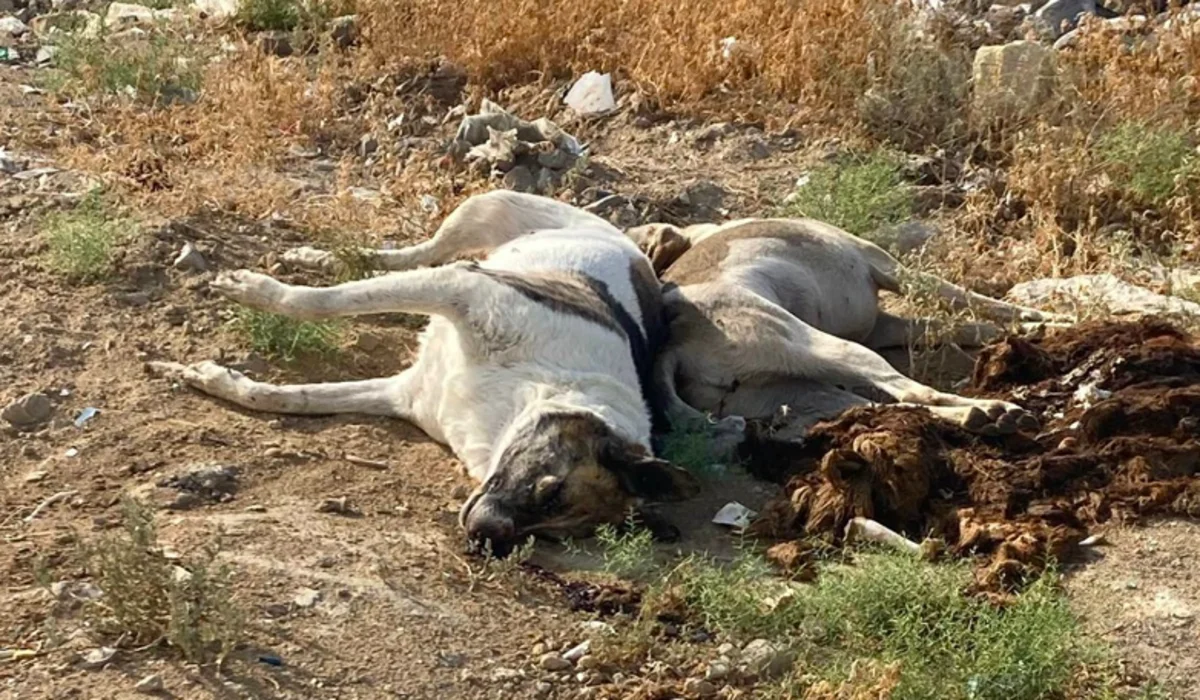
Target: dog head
x,y
662,243
561,475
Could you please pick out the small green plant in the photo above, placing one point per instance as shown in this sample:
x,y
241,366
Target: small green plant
x,y
861,194
276,335
1147,163
269,15
290,15
82,241
887,610
693,450
160,68
628,551
149,600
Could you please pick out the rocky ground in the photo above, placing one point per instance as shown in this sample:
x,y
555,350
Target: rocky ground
x,y
342,532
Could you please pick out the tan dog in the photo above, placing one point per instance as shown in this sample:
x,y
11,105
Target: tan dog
x,y
783,314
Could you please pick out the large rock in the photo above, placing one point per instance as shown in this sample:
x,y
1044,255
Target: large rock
x,y
216,9
77,22
12,26
1012,80
1104,293
28,410
121,15
1058,17
765,659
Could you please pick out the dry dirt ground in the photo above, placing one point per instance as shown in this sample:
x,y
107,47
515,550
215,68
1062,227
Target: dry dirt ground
x,y
401,611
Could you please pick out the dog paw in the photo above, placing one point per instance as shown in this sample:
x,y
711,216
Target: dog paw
x,y
249,288
998,418
212,379
308,258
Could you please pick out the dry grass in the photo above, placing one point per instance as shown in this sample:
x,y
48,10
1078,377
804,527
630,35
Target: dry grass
x,y
149,600
819,56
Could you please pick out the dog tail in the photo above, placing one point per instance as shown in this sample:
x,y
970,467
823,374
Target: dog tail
x,y
890,275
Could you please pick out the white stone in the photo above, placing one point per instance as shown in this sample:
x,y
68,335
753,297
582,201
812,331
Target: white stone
x,y
1104,293
12,26
1011,80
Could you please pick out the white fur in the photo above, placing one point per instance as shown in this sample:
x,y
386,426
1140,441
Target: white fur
x,y
491,359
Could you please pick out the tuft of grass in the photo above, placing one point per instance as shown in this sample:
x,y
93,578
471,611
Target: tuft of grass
x,y
289,15
887,611
269,15
82,241
1145,162
693,450
275,335
149,600
161,68
628,552
862,194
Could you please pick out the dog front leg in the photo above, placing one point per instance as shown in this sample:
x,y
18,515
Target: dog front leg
x,y
387,396
478,226
436,291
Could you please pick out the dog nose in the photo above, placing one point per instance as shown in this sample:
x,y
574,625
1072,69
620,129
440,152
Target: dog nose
x,y
489,529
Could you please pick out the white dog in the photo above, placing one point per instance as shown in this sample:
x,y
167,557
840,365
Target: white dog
x,y
771,313
534,368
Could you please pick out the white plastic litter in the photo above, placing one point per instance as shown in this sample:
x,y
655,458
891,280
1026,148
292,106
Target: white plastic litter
x,y
727,45
1089,395
591,95
734,514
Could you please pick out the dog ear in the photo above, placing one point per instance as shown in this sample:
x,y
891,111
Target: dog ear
x,y
646,476
665,246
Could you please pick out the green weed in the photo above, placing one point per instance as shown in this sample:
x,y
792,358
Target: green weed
x,y
860,194
82,241
279,336
149,600
161,68
1147,163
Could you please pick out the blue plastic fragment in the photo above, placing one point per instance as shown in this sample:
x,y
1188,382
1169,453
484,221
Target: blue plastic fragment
x,y
86,415
271,660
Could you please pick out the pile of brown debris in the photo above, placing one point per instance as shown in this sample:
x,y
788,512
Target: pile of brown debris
x,y
1119,405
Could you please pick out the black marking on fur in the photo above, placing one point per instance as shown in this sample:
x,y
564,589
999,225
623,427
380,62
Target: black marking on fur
x,y
654,320
588,298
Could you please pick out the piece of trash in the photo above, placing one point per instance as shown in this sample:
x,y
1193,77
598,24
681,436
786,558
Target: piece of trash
x,y
31,90
598,626
871,531
369,463
86,415
95,658
71,452
340,505
306,597
734,514
64,392
727,45
1090,394
1093,540
51,500
270,660
429,204
34,173
578,651
591,95
9,55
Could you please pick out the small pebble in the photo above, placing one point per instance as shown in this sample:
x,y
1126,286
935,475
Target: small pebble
x,y
150,684
553,662
695,687
577,652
